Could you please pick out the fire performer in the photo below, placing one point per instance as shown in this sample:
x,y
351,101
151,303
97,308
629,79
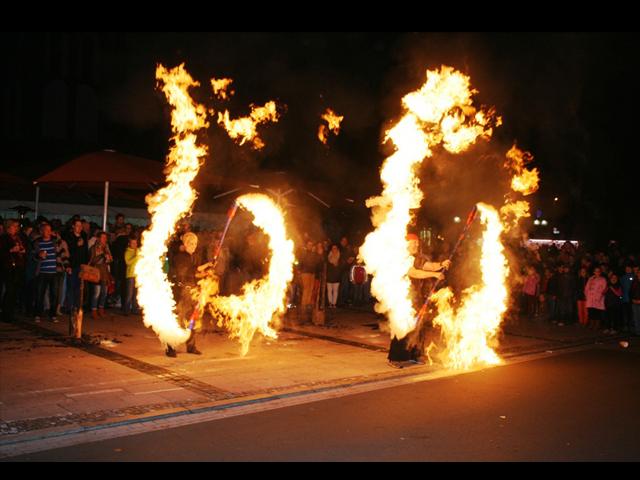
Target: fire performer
x,y
402,350
185,273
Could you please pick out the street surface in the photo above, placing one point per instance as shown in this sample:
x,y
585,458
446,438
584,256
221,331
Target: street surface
x,y
581,405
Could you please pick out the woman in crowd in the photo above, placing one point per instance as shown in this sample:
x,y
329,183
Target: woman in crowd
x,y
334,272
100,258
594,293
530,288
581,300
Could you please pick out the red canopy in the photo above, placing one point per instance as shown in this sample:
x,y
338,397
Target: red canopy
x,y
121,171
111,170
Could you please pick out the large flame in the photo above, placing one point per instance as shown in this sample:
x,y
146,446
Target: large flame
x,y
245,128
524,181
439,113
263,299
170,204
470,330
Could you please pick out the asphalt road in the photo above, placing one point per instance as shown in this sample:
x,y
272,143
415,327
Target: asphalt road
x,y
574,407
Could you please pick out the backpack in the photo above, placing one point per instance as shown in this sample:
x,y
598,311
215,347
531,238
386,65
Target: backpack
x,y
358,274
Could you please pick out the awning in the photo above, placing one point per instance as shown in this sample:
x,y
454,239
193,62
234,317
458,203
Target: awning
x,y
116,172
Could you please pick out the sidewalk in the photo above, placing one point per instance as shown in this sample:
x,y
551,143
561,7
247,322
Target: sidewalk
x,y
51,385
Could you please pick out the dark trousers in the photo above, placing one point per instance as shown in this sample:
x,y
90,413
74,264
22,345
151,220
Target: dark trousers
x,y
565,309
613,317
358,294
44,280
15,279
130,301
344,291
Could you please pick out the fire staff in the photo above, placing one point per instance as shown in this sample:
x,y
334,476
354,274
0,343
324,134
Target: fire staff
x,y
184,273
400,350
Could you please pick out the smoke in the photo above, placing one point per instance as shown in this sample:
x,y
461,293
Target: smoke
x,y
535,82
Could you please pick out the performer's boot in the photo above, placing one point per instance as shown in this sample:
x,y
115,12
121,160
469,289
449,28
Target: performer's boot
x,y
191,344
171,352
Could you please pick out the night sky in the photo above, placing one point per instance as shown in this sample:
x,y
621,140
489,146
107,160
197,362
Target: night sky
x,y
570,99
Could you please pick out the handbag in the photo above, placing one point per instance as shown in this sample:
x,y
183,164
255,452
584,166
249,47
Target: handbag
x,y
89,273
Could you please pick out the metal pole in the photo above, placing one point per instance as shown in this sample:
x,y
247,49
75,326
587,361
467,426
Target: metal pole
x,y
37,199
106,202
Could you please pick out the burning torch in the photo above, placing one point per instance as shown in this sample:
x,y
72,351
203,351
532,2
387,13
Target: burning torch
x,y
472,215
230,215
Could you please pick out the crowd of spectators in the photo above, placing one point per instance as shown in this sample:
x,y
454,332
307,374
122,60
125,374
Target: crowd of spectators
x,y
570,284
42,263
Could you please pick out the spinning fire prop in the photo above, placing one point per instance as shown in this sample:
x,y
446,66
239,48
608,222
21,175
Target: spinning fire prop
x,y
440,113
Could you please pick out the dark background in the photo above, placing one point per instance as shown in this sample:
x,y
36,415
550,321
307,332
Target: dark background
x,y
570,99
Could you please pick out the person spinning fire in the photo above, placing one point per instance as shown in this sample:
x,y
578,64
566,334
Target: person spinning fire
x,y
184,274
401,350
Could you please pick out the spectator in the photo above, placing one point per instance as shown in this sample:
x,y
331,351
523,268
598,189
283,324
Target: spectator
x,y
53,260
530,288
118,266
30,291
100,258
544,301
552,294
634,296
88,230
119,223
566,296
581,300
308,264
319,273
613,305
358,277
626,280
334,274
77,245
62,274
13,261
131,257
594,293
346,259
